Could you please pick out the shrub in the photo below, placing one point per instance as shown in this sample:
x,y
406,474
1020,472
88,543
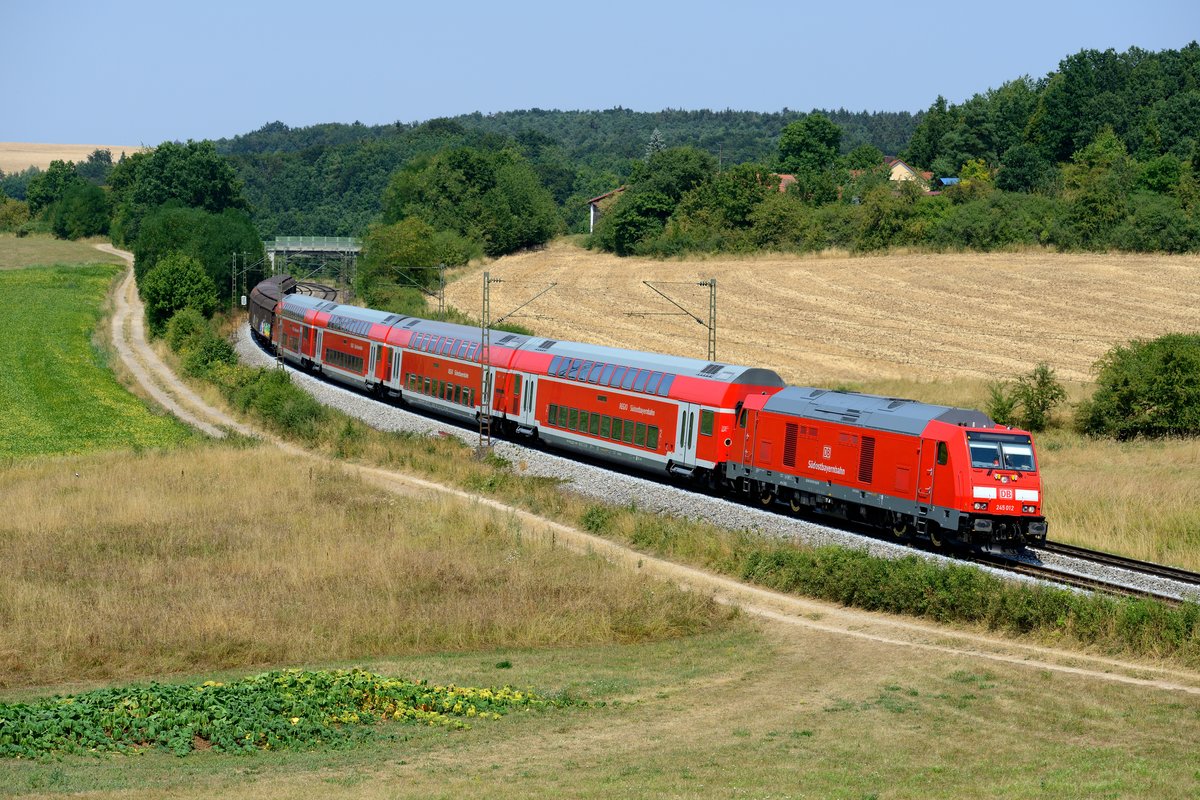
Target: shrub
x,y
1147,388
1002,403
1038,393
1035,394
176,282
183,324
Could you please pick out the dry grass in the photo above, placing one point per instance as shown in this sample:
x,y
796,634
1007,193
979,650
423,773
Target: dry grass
x,y
828,320
153,564
31,251
18,156
1137,498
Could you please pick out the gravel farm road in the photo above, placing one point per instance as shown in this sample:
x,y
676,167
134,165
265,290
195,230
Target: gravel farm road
x,y
165,388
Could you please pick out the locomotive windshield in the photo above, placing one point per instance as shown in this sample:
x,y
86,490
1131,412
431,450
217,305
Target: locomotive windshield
x,y
1001,451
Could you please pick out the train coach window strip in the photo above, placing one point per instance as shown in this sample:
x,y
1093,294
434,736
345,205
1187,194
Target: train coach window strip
x,y
706,423
665,387
574,419
616,429
594,424
630,377
605,426
606,373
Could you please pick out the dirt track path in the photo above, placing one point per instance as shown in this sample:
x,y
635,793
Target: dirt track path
x,y
166,388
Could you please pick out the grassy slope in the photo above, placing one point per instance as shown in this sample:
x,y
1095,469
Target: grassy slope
x,y
57,393
776,713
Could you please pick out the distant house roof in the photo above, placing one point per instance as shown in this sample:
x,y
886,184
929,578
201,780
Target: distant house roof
x,y
901,171
618,190
948,181
786,181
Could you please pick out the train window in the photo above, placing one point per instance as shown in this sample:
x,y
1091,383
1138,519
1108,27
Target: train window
x,y
630,377
447,346
458,394
943,455
606,373
665,387
706,423
618,376
628,428
616,429
552,415
652,384
564,367
517,386
459,349
640,383
583,422
594,375
742,418
474,352
584,370
468,396
605,426
594,424
573,421
652,437
639,435
554,362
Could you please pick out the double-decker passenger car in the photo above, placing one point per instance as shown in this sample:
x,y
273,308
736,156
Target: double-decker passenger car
x,y
949,474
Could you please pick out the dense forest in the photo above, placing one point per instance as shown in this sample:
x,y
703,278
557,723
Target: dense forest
x,y
1100,153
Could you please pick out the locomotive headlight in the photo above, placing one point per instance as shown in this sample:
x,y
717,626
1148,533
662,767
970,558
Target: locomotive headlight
x,y
1028,509
981,506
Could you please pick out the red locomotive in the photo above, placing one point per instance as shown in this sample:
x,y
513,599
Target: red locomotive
x,y
949,474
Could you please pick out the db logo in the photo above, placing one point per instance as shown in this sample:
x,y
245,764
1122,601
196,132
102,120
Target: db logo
x,y
826,452
1006,494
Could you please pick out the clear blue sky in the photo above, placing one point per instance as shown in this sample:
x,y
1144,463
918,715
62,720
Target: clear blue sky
x,y
132,72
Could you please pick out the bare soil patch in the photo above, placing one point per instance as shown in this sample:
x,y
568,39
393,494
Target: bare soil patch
x,y
826,320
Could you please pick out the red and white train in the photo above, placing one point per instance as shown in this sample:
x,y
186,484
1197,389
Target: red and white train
x,y
949,474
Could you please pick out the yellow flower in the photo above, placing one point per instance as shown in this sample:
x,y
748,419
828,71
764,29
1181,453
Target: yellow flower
x,y
295,720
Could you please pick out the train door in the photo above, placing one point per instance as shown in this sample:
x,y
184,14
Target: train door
x,y
685,444
318,353
395,358
373,366
527,410
925,475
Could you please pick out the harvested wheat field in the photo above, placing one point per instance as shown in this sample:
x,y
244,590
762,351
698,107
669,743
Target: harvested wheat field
x,y
18,156
829,320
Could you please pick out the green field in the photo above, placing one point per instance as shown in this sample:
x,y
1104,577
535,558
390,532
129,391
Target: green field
x,y
57,392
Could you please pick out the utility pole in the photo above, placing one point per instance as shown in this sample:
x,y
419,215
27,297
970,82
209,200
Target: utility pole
x,y
485,362
711,325
486,380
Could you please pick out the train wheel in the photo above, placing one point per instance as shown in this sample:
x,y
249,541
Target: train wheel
x,y
766,498
900,528
794,504
935,536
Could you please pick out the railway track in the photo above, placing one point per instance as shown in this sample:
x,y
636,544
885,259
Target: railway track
x,y
1133,565
1184,582
1075,580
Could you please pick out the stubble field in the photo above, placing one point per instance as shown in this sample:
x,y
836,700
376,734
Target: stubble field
x,y
18,156
870,321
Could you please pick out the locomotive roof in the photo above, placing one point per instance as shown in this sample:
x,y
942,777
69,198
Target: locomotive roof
x,y
870,411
